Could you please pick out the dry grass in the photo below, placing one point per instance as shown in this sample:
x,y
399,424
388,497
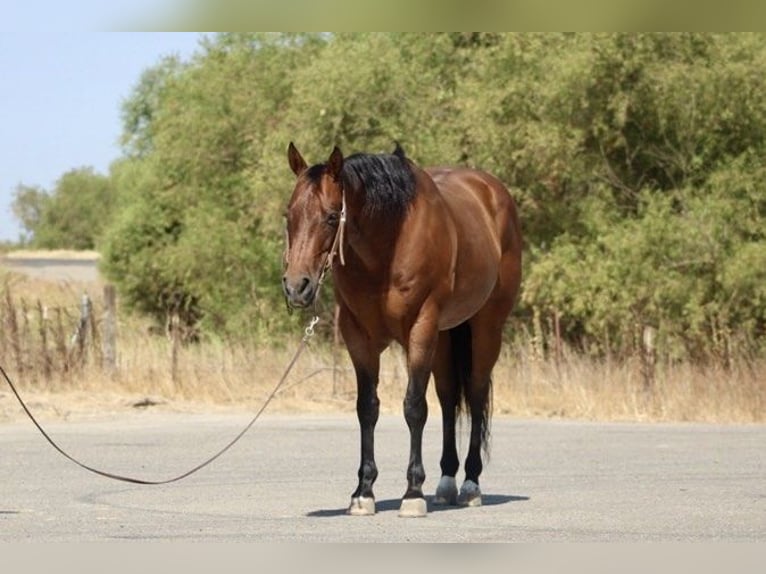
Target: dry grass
x,y
584,388
217,375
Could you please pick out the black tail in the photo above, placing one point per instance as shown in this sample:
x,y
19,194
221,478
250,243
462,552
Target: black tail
x,y
462,365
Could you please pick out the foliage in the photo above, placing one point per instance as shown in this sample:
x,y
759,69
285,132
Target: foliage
x,y
71,216
674,198
198,232
636,160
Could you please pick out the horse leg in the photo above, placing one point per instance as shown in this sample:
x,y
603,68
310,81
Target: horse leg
x,y
367,409
366,363
420,353
486,340
449,396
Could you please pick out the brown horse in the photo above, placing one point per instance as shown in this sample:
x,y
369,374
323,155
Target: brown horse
x,y
428,258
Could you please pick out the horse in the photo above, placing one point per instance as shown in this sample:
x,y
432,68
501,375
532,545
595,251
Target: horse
x,y
427,257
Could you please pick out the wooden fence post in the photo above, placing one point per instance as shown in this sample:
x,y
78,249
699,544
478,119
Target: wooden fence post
x,y
13,331
557,336
42,317
78,339
174,323
648,357
538,337
109,359
60,341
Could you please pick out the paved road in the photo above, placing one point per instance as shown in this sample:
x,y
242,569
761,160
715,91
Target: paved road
x,y
290,478
54,269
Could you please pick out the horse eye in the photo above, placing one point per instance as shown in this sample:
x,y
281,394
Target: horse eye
x,y
333,218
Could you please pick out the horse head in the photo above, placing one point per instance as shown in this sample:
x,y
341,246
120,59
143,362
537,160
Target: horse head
x,y
315,220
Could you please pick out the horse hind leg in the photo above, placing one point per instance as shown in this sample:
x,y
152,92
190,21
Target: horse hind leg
x,y
478,400
486,340
448,391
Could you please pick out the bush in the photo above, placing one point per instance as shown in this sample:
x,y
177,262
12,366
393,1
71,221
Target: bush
x,y
635,158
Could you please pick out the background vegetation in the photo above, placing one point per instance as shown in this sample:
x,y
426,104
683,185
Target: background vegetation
x,y
636,159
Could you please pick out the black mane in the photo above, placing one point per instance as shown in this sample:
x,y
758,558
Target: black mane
x,y
386,181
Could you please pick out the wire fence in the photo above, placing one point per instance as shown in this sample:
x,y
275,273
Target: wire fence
x,y
45,345
39,340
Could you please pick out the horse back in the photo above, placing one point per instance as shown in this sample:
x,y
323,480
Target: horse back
x,y
472,194
485,218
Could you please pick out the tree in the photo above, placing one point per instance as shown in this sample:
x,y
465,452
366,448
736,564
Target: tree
x,y
197,230
139,110
71,216
29,204
672,198
635,159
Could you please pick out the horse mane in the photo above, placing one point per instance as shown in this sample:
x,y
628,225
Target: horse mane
x,y
386,181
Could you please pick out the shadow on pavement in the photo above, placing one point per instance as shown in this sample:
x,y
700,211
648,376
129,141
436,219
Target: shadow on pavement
x,y
392,504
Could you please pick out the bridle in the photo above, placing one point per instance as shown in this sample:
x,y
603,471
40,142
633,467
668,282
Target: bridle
x,y
337,243
336,250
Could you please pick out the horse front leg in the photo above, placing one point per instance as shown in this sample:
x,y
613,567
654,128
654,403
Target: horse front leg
x,y
366,361
420,354
367,410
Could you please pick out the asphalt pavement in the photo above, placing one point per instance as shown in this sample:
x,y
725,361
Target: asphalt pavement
x,y
290,479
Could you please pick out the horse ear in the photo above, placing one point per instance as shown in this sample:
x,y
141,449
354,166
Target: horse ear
x,y
399,151
297,163
335,163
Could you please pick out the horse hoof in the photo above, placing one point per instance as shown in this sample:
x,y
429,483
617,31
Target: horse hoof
x,y
413,507
362,506
446,492
470,494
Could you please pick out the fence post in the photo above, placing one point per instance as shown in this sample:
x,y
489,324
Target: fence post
x,y
648,357
109,362
78,339
42,316
60,339
538,337
174,324
13,332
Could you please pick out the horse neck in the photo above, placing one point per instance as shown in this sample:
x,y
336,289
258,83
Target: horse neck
x,y
369,243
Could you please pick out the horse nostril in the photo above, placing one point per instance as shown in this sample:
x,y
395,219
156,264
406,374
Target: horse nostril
x,y
305,281
299,290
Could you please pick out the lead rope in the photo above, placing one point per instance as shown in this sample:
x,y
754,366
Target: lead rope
x,y
308,333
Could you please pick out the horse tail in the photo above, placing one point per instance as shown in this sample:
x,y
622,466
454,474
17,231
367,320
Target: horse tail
x,y
461,342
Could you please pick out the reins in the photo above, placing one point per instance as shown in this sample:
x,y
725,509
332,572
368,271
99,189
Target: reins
x,y
308,333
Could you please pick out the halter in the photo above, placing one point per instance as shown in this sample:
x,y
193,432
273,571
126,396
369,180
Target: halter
x,y
335,249
337,244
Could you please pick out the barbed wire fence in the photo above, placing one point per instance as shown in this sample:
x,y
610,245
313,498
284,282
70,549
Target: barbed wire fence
x,y
44,344
38,340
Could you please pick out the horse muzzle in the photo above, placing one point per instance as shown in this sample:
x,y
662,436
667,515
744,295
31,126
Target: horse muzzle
x,y
300,291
